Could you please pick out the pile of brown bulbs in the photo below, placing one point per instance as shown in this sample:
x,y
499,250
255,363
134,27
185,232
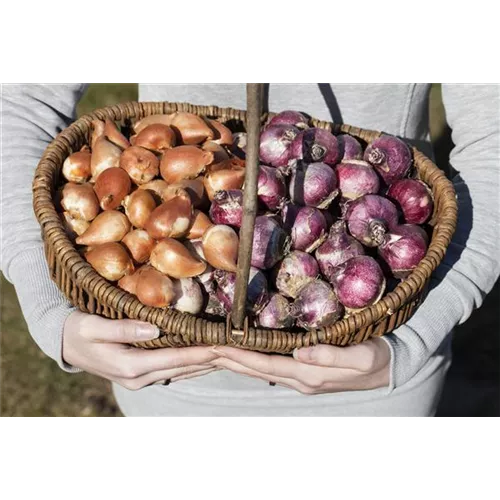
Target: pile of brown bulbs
x,y
136,207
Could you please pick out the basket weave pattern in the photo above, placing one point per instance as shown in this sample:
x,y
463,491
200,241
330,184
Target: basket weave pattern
x,y
91,293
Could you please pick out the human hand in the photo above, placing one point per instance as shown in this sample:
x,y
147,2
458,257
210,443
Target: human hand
x,y
101,346
315,370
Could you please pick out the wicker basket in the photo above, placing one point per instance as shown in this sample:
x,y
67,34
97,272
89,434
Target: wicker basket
x,y
91,293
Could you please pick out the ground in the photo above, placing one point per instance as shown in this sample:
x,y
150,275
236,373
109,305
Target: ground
x,y
33,385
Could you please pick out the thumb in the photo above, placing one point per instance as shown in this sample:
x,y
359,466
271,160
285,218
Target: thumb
x,y
122,330
329,356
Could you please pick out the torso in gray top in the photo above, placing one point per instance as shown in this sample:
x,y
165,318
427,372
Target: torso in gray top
x,y
224,393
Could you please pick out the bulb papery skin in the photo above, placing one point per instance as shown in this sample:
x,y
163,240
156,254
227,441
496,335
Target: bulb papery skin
x,y
105,155
359,282
140,164
222,135
190,129
293,118
107,227
390,156
172,258
110,260
257,290
370,217
316,145
275,142
76,168
356,178
238,148
138,207
154,289
270,243
271,188
414,198
172,219
80,201
225,176
276,314
188,296
73,227
139,244
156,137
111,187
309,229
220,247
350,148
316,306
338,248
314,185
184,162
227,207
403,249
295,271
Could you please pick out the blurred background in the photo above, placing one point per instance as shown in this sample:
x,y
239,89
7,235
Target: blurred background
x,y
31,384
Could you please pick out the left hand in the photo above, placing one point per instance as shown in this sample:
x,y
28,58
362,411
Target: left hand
x,y
314,370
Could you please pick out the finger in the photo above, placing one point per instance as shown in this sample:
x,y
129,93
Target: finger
x,y
235,367
277,365
160,376
196,374
143,361
118,330
360,357
313,377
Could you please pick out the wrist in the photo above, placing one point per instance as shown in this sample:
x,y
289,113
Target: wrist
x,y
68,355
380,375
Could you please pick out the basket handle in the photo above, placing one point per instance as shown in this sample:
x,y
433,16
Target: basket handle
x,y
254,112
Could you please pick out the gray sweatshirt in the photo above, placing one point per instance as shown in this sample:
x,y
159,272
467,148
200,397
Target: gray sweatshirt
x,y
32,115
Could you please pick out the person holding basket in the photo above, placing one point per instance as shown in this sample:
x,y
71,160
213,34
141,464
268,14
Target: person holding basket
x,y
399,374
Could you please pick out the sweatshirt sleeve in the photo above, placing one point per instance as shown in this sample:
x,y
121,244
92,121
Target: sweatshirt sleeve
x,y
32,115
472,263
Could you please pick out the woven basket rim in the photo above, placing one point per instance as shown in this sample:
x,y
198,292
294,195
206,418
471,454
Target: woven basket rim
x,y
74,136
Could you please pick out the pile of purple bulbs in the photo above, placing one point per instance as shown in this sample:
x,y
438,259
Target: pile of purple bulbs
x,y
336,222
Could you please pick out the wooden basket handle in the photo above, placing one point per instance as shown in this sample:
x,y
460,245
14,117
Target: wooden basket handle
x,y
254,112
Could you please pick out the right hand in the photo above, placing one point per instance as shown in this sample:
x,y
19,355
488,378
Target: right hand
x,y
101,346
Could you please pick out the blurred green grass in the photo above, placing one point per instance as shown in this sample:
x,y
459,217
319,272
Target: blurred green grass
x,y
33,385
99,95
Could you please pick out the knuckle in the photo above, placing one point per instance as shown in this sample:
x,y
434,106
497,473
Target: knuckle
x,y
131,385
184,357
128,371
324,355
120,330
307,391
269,365
86,333
327,355
314,381
367,361
185,370
175,360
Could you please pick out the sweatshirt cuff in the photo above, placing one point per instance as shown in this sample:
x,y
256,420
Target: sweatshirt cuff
x,y
414,343
44,306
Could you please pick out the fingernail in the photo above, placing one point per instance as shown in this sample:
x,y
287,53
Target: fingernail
x,y
147,332
219,353
304,354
